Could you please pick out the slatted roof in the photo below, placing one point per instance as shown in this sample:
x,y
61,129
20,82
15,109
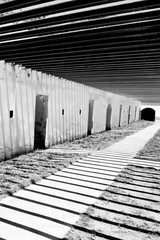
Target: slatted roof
x,y
108,44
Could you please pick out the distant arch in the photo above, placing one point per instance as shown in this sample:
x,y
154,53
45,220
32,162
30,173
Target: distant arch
x,y
120,115
129,114
108,117
148,114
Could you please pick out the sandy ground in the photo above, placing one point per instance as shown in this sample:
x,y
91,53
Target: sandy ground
x,y
129,209
102,140
151,149
21,171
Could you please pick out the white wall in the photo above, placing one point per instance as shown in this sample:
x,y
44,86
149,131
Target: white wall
x,y
18,90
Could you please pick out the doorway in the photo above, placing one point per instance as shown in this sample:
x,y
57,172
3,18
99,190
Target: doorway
x,y
40,121
90,116
120,115
135,113
108,117
129,114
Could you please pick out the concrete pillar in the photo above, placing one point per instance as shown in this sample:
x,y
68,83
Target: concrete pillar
x,y
64,107
73,111
58,110
2,117
80,110
77,110
55,107
67,111
70,110
50,121
19,107
29,107
33,103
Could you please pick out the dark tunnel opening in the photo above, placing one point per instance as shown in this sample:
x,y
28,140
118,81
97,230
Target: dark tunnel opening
x,y
148,114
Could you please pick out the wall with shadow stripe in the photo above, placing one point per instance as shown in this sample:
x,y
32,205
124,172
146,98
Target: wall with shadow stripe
x,y
70,110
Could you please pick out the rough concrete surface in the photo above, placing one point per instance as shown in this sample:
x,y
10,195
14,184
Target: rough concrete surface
x,y
47,209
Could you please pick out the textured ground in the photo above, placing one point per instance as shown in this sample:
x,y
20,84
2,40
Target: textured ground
x,y
20,172
105,139
129,209
151,149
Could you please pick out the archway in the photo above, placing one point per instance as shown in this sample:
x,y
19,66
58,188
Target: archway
x,y
148,114
40,121
90,116
108,117
129,114
120,115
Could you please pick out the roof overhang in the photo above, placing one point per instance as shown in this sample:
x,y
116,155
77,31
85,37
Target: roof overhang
x,y
111,45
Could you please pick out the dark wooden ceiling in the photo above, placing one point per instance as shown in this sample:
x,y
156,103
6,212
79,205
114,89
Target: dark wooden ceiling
x,y
108,44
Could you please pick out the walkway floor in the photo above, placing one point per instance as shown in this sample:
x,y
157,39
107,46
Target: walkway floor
x,y
47,209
